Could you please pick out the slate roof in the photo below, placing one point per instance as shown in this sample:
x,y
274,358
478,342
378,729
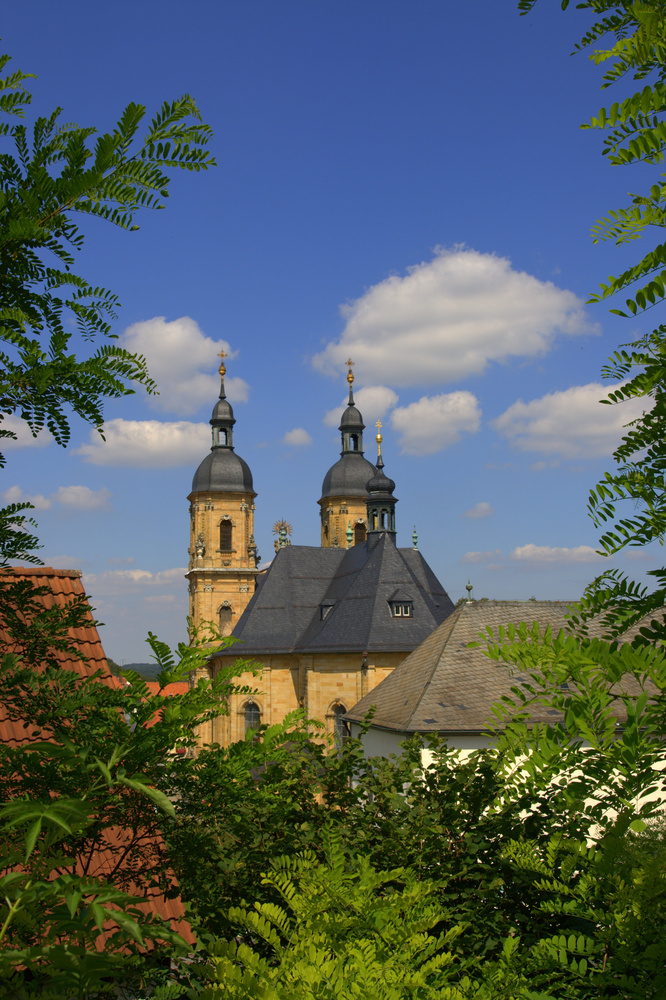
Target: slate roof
x,y
285,613
445,687
223,471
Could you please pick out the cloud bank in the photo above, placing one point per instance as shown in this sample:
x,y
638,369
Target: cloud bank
x,y
449,318
482,509
546,554
182,359
372,400
436,422
297,438
24,437
147,443
572,423
73,497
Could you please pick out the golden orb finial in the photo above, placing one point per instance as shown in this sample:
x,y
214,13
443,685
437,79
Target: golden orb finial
x,y
350,374
222,369
379,438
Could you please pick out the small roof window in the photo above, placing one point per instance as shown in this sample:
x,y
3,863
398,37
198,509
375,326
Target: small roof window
x,y
325,609
401,604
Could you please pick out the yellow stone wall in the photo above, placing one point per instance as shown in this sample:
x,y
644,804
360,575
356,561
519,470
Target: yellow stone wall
x,y
316,683
336,514
221,579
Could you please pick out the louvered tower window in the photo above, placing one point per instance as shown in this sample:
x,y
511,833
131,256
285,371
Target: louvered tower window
x,y
225,536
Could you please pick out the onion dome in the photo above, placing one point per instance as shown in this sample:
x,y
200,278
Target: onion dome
x,y
350,473
380,486
381,502
222,471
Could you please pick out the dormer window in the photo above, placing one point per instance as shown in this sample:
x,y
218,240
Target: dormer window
x,y
325,609
401,604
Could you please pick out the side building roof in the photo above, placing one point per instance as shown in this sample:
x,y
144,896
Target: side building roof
x,y
443,686
337,600
61,587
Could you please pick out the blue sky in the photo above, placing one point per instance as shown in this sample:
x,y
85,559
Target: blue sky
x,y
403,182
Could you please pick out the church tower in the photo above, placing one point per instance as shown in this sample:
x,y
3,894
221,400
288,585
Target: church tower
x,y
344,494
381,502
223,555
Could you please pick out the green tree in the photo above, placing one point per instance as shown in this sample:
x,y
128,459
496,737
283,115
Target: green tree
x,y
343,929
82,806
51,174
630,502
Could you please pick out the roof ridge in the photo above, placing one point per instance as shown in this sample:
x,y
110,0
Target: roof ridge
x,y
40,571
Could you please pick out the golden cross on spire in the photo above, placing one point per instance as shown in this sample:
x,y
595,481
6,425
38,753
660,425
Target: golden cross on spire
x,y
379,438
222,369
350,374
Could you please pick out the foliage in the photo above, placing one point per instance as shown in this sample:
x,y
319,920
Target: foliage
x,y
81,807
532,846
56,171
635,128
343,929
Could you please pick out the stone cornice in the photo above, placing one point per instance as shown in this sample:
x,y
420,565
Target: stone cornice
x,y
225,570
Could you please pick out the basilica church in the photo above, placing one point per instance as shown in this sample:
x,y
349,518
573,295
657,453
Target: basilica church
x,y
327,624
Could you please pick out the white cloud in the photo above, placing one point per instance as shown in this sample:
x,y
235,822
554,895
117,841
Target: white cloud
x,y
435,422
546,554
481,557
182,359
481,509
448,318
75,497
373,401
119,581
147,443
82,497
16,495
572,423
298,437
24,437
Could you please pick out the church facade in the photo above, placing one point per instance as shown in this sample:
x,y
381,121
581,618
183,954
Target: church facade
x,y
327,624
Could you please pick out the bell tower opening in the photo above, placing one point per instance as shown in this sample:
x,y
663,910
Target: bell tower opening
x,y
226,534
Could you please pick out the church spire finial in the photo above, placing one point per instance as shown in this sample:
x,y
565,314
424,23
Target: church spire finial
x,y
350,379
223,371
379,439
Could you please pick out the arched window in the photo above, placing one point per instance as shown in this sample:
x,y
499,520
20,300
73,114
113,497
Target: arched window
x,y
252,716
382,520
339,725
354,442
223,436
359,534
225,536
225,615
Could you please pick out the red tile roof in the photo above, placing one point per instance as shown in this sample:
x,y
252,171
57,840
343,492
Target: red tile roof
x,y
63,585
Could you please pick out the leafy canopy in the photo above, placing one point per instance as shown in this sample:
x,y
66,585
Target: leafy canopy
x,y
50,174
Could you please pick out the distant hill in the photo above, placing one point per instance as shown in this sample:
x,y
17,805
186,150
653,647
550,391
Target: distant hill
x,y
147,670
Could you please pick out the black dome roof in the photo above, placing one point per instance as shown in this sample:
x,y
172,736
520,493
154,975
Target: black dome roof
x,y
223,412
223,471
380,485
348,476
351,419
